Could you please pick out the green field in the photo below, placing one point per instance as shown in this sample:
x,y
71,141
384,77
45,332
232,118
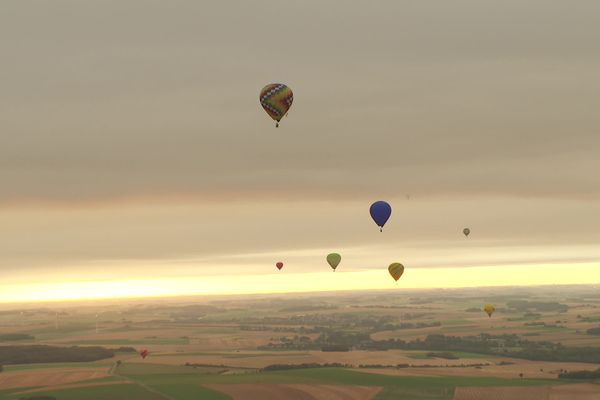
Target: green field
x,y
117,392
184,383
127,342
394,387
23,367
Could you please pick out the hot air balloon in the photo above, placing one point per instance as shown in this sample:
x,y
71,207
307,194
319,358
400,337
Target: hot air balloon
x,y
380,212
396,270
489,309
466,232
279,265
144,353
334,260
276,99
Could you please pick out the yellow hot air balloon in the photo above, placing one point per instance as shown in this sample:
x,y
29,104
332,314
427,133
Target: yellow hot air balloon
x,y
334,260
396,270
489,309
276,99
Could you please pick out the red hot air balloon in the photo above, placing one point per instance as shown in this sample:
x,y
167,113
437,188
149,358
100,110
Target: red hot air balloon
x,y
279,265
144,353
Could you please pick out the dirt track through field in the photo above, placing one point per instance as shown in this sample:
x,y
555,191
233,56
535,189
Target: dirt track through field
x,y
113,372
296,391
566,392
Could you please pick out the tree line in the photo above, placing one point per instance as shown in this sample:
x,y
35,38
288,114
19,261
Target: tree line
x,y
35,354
509,345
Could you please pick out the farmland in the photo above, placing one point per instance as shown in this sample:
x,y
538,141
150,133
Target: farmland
x,y
370,345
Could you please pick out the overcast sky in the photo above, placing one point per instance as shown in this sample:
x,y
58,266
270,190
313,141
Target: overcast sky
x,y
132,136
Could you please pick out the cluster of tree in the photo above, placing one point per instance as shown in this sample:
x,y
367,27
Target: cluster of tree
x,y
341,321
51,354
282,367
397,366
541,306
264,328
593,331
125,349
286,343
442,354
543,324
335,348
8,337
194,312
580,374
38,398
377,306
506,345
196,365
329,340
417,300
588,319
316,307
418,325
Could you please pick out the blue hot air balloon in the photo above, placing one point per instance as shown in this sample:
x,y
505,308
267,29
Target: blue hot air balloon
x,y
380,212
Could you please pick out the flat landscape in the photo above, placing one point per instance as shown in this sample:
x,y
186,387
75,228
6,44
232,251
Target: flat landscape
x,y
399,344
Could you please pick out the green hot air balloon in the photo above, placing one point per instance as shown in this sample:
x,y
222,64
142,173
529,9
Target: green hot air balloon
x,y
396,270
334,260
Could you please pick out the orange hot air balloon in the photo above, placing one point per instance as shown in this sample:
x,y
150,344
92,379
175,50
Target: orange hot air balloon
x,y
144,353
279,265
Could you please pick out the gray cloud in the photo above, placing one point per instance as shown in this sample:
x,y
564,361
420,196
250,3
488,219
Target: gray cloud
x,y
139,123
102,100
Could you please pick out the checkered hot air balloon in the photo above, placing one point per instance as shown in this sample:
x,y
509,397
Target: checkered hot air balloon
x,y
276,99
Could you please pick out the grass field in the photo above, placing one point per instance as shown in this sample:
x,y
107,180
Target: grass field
x,y
183,383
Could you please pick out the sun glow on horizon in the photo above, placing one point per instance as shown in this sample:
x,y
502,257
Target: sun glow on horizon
x,y
285,282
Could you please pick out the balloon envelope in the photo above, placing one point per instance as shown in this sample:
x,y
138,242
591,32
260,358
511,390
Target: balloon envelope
x,y
279,265
276,99
334,260
489,309
144,353
380,212
396,270
466,231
